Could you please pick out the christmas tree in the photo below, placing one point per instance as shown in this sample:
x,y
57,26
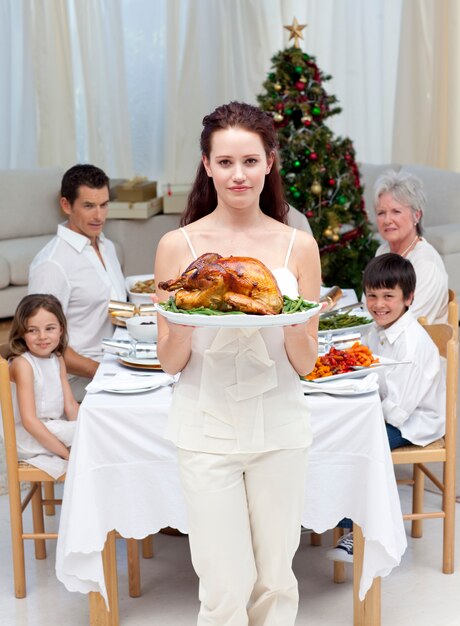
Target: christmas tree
x,y
319,171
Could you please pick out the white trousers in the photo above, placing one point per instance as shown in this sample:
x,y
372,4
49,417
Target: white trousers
x,y
244,529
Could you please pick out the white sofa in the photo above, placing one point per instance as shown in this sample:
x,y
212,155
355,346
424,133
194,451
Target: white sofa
x,y
29,214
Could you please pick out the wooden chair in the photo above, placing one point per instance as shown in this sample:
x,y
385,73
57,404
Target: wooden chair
x,y
452,312
19,472
441,451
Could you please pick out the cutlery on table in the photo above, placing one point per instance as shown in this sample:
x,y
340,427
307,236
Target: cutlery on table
x,y
130,374
330,298
342,309
374,365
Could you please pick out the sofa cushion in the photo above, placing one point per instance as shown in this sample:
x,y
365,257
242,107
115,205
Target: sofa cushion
x,y
445,238
29,204
18,255
443,194
4,273
9,300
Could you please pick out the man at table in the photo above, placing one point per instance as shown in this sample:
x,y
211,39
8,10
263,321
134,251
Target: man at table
x,y
80,267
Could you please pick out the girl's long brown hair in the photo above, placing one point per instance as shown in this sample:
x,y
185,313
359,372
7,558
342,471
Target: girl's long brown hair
x,y
203,197
28,306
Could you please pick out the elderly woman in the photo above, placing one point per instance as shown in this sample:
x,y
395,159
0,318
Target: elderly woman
x,y
399,205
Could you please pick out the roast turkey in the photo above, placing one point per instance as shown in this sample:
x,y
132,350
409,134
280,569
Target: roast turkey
x,y
232,283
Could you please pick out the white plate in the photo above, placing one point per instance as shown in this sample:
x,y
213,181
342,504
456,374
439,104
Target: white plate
x,y
238,320
356,373
138,363
140,390
132,360
348,329
309,389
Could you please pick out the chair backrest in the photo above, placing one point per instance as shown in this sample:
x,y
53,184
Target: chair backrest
x,y
9,429
4,350
443,336
452,312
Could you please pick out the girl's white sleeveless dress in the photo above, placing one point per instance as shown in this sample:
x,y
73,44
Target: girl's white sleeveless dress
x,y
49,406
239,392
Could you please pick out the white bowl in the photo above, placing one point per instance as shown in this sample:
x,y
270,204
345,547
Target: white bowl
x,y
137,298
143,327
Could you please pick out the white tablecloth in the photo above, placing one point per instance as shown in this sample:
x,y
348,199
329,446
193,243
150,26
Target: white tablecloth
x,y
123,475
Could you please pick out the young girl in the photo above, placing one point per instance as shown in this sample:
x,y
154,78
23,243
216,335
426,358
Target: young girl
x,y
45,409
239,417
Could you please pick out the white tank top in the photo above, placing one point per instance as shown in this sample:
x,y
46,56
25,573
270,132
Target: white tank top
x,y
239,392
286,280
49,397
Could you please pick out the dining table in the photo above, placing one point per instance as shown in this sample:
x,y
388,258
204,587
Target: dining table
x,y
123,476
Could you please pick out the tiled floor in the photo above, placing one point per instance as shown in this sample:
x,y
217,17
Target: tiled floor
x,y
415,593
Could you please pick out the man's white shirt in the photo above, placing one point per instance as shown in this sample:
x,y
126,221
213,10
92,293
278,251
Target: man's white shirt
x,y
69,268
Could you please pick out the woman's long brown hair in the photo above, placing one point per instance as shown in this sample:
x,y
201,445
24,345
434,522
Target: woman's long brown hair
x,y
202,199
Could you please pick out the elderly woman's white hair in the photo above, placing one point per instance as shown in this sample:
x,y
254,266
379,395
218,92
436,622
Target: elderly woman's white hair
x,y
407,189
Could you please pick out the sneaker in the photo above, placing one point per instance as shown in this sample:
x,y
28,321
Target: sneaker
x,y
343,551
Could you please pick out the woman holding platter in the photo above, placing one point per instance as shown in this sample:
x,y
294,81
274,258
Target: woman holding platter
x,y
239,417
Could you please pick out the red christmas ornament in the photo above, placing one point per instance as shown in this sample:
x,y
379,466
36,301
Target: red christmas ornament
x,y
332,247
307,123
310,214
313,156
279,106
352,234
331,182
300,86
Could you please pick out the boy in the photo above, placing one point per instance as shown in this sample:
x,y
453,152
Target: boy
x,y
412,395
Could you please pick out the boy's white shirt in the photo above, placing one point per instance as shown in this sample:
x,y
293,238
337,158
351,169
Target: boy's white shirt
x,y
413,396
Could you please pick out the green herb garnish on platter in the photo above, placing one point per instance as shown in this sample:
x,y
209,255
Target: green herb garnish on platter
x,y
290,306
170,305
343,320
297,306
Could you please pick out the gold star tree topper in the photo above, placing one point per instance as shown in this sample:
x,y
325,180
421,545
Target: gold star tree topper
x,y
296,31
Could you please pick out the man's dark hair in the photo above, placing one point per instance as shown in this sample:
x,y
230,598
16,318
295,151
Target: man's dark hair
x,y
82,174
388,271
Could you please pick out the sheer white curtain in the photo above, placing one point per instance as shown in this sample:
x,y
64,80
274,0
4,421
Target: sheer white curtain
x,y
125,83
220,50
427,125
103,129
146,50
63,95
18,131
54,84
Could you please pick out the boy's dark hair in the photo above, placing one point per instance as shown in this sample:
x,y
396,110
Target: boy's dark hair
x,y
82,174
388,271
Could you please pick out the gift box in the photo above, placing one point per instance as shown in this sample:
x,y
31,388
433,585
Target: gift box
x,y
138,189
135,210
175,198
